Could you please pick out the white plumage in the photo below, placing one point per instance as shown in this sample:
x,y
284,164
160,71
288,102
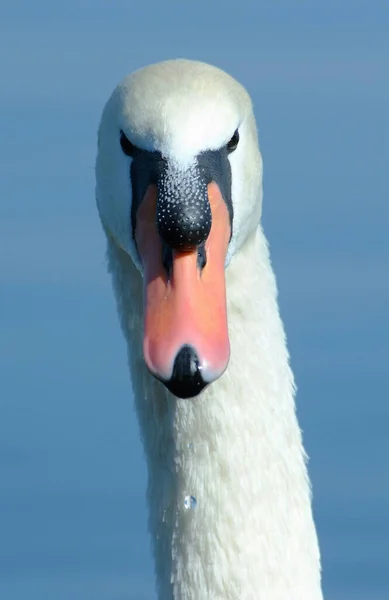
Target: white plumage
x,y
237,447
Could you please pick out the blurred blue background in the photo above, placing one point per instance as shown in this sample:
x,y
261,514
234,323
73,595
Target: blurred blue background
x,y
72,474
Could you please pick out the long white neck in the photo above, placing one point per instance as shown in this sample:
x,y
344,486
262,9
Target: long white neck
x,y
236,449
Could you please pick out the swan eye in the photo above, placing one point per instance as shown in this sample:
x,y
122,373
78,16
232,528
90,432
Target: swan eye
x,y
233,143
126,145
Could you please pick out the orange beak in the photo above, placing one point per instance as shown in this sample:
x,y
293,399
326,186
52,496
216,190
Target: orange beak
x,y
185,314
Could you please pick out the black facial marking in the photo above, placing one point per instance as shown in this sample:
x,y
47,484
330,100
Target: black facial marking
x,y
215,166
183,216
145,169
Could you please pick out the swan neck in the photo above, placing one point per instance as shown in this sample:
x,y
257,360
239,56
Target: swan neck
x,y
229,498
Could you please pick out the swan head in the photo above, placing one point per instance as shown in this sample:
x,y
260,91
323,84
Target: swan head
x,y
179,189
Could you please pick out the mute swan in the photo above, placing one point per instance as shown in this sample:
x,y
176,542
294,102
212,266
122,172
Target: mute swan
x,y
179,193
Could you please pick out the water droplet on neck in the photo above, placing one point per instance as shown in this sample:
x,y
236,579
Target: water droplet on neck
x,y
190,502
190,446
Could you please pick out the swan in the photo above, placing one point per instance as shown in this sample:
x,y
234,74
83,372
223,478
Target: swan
x,y
179,194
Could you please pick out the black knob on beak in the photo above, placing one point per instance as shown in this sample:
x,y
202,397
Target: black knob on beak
x,y
184,216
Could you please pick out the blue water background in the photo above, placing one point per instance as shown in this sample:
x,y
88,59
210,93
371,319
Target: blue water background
x,y
72,475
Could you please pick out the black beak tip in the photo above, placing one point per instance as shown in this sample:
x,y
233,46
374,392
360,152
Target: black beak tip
x,y
186,380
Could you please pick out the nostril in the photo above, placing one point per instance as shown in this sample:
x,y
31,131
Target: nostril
x,y
186,380
201,257
167,259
